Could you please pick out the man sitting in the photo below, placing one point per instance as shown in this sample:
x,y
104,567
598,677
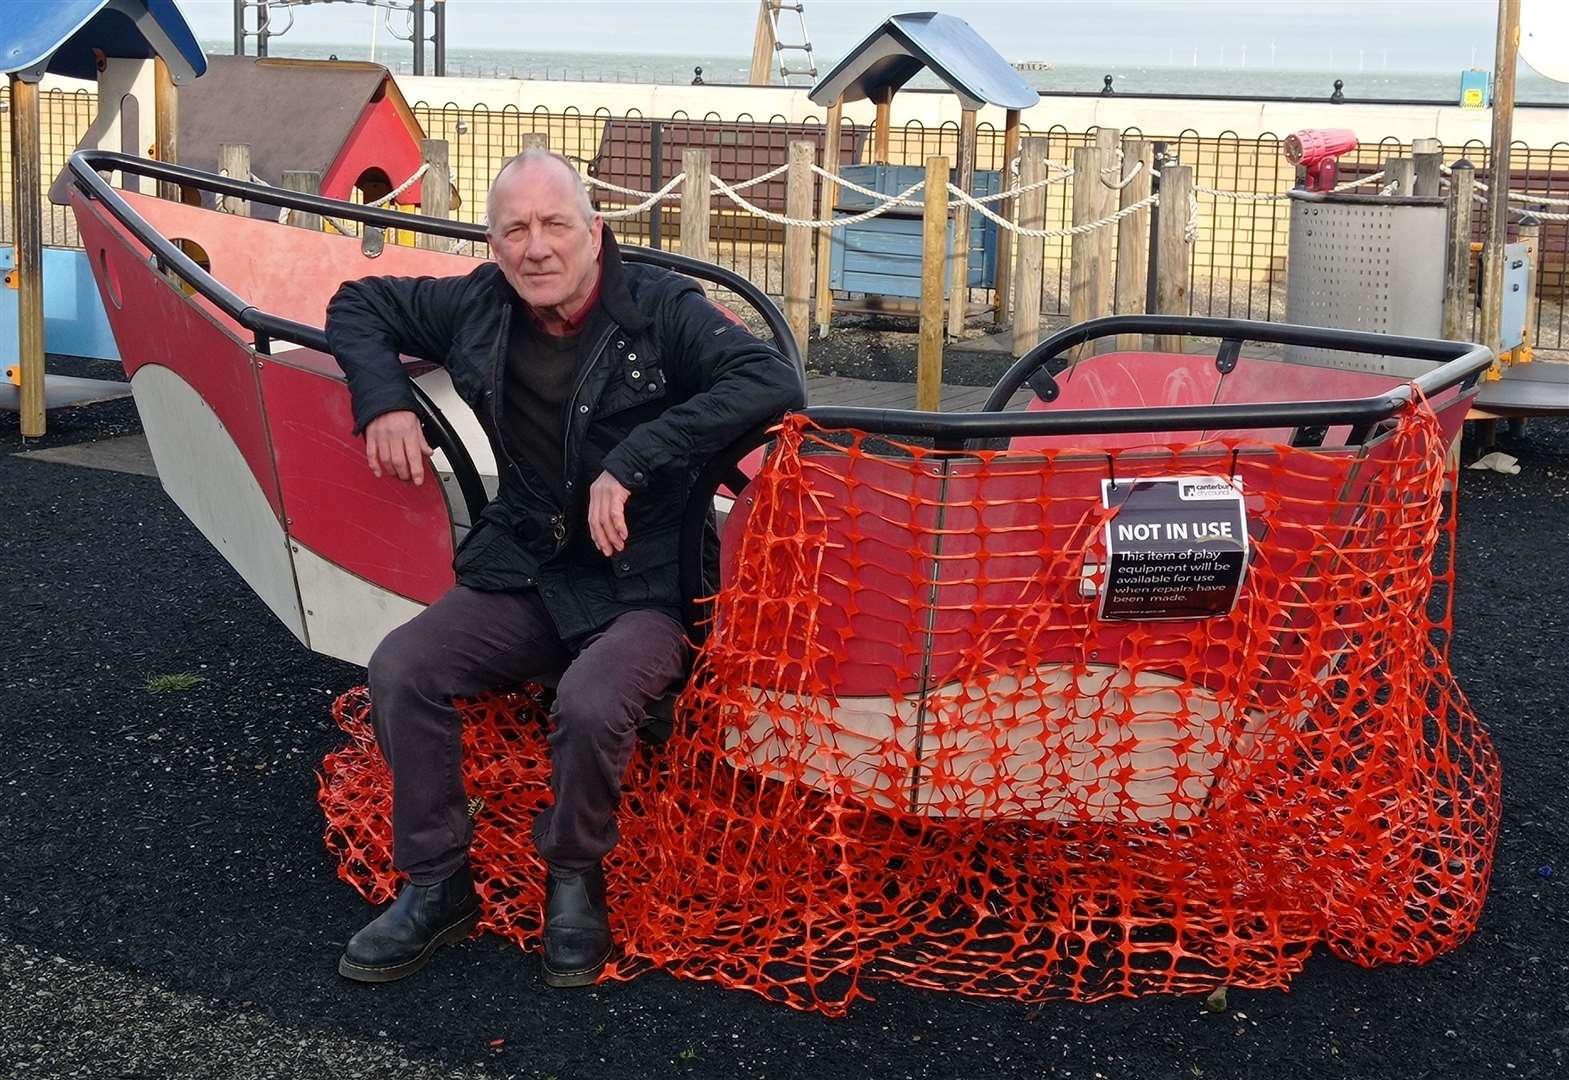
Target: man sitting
x,y
603,388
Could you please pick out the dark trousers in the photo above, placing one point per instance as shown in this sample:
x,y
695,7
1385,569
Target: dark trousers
x,y
469,642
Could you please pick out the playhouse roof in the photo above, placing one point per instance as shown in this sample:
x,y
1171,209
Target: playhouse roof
x,y
294,114
60,37
897,50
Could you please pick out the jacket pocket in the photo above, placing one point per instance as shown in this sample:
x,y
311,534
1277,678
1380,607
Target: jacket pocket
x,y
635,386
648,570
491,558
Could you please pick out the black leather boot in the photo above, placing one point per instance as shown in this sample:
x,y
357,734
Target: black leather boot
x,y
400,940
577,927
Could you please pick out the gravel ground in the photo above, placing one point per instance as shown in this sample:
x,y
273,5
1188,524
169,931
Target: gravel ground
x,y
169,910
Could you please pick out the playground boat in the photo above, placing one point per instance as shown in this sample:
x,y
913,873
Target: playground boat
x,y
958,659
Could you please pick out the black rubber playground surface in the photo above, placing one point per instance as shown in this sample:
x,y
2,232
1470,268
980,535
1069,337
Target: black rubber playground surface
x,y
167,908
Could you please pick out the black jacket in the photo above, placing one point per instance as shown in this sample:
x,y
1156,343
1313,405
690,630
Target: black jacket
x,y
669,382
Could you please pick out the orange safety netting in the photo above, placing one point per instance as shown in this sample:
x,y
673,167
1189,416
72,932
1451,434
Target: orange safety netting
x,y
912,750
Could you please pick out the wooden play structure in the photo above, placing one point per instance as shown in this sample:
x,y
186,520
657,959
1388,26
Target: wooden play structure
x,y
881,259
112,41
361,138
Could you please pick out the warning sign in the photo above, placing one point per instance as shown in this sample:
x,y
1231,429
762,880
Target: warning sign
x,y
1177,548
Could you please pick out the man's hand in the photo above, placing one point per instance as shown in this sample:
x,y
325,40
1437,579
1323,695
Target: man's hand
x,y
395,443
607,520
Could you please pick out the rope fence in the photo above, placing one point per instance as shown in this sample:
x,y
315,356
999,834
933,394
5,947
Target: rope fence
x,y
1238,257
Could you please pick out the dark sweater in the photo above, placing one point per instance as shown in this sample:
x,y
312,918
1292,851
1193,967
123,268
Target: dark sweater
x,y
542,369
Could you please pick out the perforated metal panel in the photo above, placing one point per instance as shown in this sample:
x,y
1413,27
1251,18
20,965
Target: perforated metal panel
x,y
1360,262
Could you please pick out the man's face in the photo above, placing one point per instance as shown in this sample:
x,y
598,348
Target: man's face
x,y
546,250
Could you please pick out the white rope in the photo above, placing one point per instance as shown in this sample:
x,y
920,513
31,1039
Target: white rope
x,y
634,192
897,200
1515,196
401,188
901,199
1064,175
1138,167
653,197
1072,230
1527,197
742,185
1253,196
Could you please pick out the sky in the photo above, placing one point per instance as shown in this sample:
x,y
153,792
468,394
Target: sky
x,y
1443,35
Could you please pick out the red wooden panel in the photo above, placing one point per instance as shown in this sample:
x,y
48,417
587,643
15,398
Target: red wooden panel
x,y
154,323
386,531
380,140
287,271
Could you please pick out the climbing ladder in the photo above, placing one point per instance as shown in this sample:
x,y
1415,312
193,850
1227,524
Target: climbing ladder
x,y
768,45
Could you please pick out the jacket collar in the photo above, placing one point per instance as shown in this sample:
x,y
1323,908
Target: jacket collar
x,y
615,295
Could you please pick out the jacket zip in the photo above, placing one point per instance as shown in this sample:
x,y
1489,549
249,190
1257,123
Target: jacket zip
x,y
588,368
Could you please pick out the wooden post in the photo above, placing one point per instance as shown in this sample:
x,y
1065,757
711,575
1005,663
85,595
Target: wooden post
x,y
934,248
959,280
1090,272
764,46
798,243
1032,215
27,231
1531,237
1498,173
1173,252
1108,140
1457,262
880,129
1400,172
536,140
1010,150
1428,157
1133,238
825,212
307,182
166,125
234,161
435,190
695,192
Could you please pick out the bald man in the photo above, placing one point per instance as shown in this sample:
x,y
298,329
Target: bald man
x,y
603,389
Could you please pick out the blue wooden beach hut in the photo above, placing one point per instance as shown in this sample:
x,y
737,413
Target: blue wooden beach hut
x,y
881,258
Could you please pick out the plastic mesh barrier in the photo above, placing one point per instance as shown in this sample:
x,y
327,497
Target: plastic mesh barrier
x,y
912,750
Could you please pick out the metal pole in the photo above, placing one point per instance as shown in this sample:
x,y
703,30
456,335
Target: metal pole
x,y
419,37
441,38
1498,173
239,27
656,178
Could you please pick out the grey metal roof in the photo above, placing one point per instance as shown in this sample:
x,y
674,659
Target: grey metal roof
x,y
949,47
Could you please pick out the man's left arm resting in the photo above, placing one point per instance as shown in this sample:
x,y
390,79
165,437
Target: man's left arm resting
x,y
744,383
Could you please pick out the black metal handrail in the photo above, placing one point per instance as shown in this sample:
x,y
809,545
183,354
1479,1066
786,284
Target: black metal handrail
x,y
84,166
1458,363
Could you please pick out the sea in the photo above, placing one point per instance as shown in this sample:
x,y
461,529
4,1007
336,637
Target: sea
x,y
1177,79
